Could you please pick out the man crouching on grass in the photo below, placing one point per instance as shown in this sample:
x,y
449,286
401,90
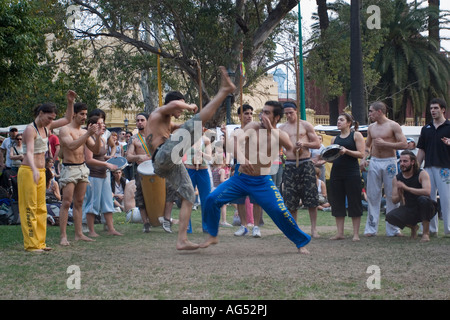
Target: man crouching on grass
x,y
412,187
253,178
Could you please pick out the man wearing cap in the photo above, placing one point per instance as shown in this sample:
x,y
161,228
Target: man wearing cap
x,y
300,182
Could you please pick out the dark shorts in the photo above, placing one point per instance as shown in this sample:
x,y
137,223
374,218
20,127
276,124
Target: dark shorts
x,y
300,184
409,216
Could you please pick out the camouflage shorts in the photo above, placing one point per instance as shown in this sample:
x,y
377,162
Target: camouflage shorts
x,y
300,184
176,173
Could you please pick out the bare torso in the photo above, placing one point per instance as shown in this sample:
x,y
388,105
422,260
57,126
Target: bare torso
x,y
158,130
384,131
258,152
291,130
68,155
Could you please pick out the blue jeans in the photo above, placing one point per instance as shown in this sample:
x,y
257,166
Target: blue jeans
x,y
200,179
266,194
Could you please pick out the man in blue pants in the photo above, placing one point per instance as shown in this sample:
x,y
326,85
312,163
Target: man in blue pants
x,y
254,178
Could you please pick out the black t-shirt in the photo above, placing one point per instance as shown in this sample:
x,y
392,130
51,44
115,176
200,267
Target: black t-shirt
x,y
411,200
437,153
345,165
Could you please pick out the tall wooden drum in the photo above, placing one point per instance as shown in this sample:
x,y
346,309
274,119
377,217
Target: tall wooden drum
x,y
154,191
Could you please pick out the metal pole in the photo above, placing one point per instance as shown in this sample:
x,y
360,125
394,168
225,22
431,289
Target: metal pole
x,y
302,80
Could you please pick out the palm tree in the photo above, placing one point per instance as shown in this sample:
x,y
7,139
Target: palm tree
x,y
410,65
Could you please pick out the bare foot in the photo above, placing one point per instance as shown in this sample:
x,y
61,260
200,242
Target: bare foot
x,y
83,238
225,83
315,234
399,235
93,234
337,237
36,251
303,250
64,242
186,245
356,237
425,238
414,232
114,233
211,240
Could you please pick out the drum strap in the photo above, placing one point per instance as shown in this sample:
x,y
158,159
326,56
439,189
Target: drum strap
x,y
144,144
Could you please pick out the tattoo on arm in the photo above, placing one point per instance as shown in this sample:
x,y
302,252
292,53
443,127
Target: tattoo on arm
x,y
149,140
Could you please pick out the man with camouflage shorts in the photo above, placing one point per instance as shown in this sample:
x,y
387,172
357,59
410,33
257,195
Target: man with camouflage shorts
x,y
300,182
163,148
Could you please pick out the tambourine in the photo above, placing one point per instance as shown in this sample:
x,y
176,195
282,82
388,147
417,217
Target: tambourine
x,y
120,162
331,152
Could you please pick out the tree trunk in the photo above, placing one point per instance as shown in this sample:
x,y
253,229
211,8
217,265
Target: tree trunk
x,y
356,66
433,24
334,111
324,22
433,33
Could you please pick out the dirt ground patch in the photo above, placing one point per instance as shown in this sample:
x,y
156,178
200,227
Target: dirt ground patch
x,y
147,266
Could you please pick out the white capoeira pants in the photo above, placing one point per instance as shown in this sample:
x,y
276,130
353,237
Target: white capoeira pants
x,y
380,174
440,183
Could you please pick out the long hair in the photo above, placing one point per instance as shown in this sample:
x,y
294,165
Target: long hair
x,y
412,157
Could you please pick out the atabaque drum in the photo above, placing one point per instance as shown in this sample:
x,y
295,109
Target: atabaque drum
x,y
154,192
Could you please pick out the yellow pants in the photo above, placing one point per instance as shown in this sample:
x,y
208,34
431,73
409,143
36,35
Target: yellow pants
x,y
32,208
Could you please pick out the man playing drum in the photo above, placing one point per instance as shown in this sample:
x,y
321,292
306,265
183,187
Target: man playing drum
x,y
158,131
136,152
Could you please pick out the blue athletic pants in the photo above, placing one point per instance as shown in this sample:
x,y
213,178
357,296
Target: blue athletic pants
x,y
265,193
201,179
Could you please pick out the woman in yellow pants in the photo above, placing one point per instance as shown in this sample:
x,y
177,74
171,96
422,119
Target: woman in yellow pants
x,y
31,175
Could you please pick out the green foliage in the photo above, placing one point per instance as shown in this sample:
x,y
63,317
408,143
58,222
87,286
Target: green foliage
x,y
400,64
328,61
22,43
33,74
409,63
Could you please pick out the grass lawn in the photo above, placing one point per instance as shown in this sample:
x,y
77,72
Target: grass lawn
x,y
147,266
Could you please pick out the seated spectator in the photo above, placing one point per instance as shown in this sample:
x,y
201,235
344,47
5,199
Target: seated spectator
x,y
324,205
118,183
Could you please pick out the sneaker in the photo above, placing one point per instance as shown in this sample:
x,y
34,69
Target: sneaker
x,y
85,228
241,232
167,226
256,232
146,227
